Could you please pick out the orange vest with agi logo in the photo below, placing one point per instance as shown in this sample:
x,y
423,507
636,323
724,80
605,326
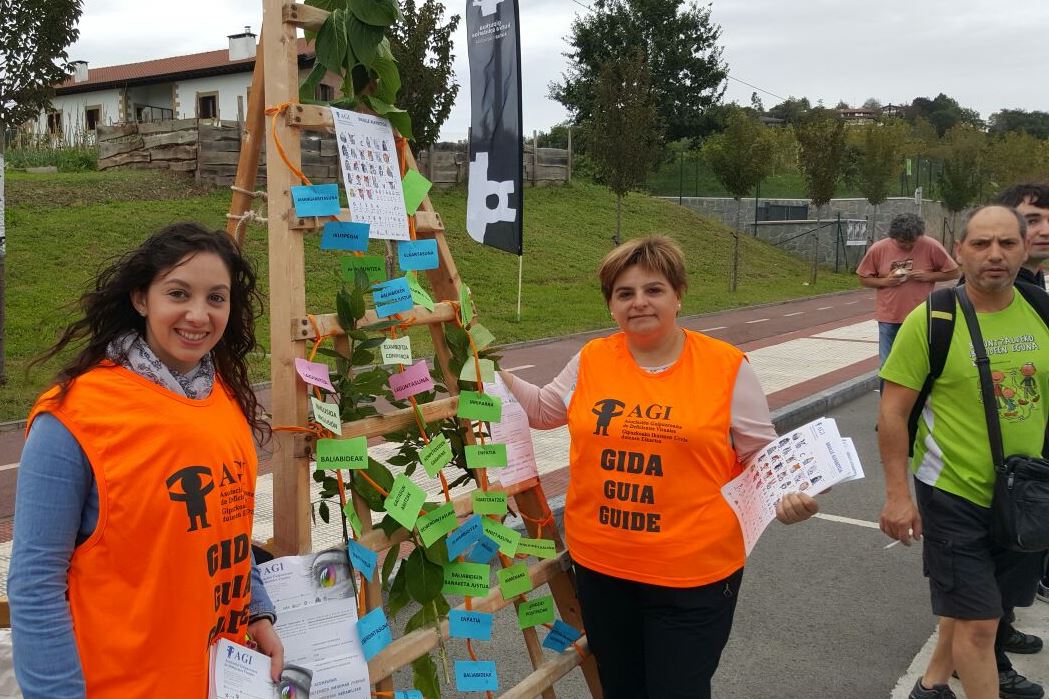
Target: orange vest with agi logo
x,y
167,570
649,455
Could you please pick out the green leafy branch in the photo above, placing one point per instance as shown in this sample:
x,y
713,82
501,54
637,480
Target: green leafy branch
x,y
352,43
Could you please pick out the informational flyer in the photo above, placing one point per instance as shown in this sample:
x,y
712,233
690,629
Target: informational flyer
x,y
371,173
238,672
810,459
317,621
513,431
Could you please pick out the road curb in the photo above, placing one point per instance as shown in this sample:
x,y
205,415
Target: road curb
x,y
796,414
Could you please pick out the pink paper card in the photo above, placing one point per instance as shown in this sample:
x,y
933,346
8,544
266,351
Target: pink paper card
x,y
414,379
314,373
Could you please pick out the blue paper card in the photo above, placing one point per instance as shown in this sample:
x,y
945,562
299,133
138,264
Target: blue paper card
x,y
417,254
461,539
316,200
470,624
475,676
374,632
408,694
392,297
362,558
344,235
561,636
484,550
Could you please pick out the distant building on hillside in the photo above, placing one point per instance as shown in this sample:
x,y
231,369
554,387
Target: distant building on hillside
x,y
211,85
859,116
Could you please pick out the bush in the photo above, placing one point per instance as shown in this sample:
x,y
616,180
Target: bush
x,y
65,158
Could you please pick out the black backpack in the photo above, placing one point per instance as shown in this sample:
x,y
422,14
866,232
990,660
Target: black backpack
x,y
940,310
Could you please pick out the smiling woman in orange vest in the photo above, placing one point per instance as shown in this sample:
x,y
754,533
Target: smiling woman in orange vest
x,y
136,489
660,419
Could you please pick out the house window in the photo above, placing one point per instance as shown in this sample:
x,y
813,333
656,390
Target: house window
x,y
325,93
92,115
207,105
54,122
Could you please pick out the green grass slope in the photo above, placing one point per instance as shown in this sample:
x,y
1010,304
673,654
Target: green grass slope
x,y
62,227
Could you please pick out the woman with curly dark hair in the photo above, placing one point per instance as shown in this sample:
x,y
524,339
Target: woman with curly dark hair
x,y
133,513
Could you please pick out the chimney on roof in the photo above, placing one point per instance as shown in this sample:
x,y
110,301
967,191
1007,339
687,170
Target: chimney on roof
x,y
242,46
79,71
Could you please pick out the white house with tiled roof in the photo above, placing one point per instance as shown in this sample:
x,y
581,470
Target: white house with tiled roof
x,y
209,85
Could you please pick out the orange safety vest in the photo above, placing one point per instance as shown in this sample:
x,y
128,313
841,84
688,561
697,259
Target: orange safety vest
x,y
167,570
649,455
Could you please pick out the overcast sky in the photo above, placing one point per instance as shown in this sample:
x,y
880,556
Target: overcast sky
x,y
984,53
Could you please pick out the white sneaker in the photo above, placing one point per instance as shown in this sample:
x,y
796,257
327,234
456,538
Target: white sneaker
x,y
1043,591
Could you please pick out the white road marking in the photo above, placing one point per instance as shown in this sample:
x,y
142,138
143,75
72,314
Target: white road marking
x,y
519,368
797,313
9,467
824,308
889,546
849,303
719,327
759,320
848,520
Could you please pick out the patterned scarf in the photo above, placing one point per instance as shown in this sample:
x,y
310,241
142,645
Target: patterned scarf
x,y
131,352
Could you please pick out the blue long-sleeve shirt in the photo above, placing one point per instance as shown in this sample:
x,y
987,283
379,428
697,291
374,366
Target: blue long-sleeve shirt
x,y
56,509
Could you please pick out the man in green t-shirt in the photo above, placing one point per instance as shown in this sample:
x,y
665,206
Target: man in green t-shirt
x,y
971,580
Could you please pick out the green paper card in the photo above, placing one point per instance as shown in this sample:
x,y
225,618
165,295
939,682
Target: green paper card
x,y
514,581
535,612
326,415
480,406
415,189
540,548
419,295
342,453
468,579
491,503
354,519
405,501
501,534
487,456
435,455
437,523
373,265
482,337
466,309
469,372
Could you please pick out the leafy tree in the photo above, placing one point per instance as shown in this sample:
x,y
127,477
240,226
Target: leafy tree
x,y
557,137
680,46
422,45
756,104
879,148
740,157
622,132
34,35
872,103
790,110
943,113
821,138
1034,123
963,152
1017,157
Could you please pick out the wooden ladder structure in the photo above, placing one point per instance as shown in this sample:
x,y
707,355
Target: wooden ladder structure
x,y
275,82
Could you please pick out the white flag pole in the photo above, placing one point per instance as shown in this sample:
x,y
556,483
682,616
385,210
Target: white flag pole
x,y
520,270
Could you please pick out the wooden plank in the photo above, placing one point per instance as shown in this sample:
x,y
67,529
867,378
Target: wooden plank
x,y
249,148
173,138
414,645
425,221
328,324
304,16
187,152
287,274
397,420
550,672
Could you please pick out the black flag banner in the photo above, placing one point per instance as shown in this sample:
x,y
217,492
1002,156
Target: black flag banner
x,y
494,196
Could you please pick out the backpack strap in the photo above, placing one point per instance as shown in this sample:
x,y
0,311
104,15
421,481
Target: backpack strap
x,y
939,323
1039,300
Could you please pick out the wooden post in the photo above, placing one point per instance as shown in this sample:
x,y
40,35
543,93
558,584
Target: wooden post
x,y
569,176
535,158
251,140
291,477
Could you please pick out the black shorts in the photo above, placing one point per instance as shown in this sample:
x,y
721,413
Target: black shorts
x,y
969,576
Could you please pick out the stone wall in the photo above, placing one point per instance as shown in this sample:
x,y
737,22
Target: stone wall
x,y
789,235
211,151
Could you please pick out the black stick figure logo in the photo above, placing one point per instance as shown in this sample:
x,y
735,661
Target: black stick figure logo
x,y
606,410
193,492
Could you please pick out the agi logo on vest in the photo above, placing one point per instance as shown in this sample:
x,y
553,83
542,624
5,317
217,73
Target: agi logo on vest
x,y
608,408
